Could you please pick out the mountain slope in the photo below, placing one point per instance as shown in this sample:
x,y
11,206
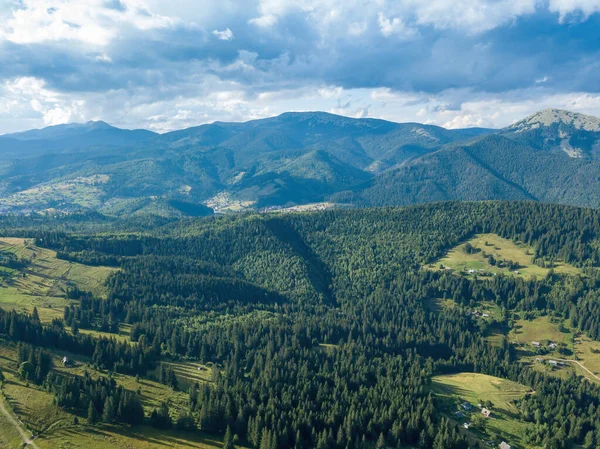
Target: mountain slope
x,y
64,138
493,167
291,159
577,135
298,158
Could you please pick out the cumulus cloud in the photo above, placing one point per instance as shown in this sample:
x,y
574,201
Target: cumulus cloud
x,y
582,8
393,26
225,35
172,64
94,22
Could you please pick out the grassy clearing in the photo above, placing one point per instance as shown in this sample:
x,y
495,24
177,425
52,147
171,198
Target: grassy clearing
x,y
123,334
188,373
473,388
83,191
55,428
120,437
44,282
9,437
578,347
439,304
501,249
540,329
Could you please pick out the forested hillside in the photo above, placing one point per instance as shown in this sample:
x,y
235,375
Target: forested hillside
x,y
332,330
297,159
493,167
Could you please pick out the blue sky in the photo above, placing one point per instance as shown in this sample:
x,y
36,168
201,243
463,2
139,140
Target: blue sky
x,y
165,65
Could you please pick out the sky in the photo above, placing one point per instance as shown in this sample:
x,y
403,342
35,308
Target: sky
x,y
165,65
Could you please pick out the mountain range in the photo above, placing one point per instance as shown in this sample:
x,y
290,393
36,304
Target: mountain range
x,y
295,159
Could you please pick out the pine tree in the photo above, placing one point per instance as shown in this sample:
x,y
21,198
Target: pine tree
x,y
109,413
171,380
228,440
92,414
298,441
381,444
163,374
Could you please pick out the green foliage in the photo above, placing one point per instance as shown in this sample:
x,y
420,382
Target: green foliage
x,y
333,345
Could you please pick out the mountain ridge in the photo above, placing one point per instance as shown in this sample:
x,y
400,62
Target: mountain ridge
x,y
298,158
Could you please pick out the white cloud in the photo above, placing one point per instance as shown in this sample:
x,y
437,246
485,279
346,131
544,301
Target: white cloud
x,y
27,100
225,35
297,56
469,15
395,26
503,110
264,21
86,21
566,7
358,28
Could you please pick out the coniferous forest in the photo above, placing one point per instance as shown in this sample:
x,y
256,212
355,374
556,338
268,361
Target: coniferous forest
x,y
316,325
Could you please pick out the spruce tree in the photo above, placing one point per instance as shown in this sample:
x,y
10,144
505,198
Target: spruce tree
x,y
228,440
109,413
92,413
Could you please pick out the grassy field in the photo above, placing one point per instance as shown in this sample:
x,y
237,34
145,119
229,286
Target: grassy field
x,y
55,427
9,437
502,249
46,280
188,373
120,437
540,329
503,424
83,191
579,347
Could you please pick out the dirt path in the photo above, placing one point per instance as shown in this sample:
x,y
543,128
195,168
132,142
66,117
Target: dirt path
x,y
22,431
581,366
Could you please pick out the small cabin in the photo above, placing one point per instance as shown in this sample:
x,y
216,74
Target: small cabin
x,y
504,445
485,412
553,362
536,344
66,361
466,406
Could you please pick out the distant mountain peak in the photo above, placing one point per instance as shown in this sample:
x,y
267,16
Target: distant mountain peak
x,y
551,116
98,124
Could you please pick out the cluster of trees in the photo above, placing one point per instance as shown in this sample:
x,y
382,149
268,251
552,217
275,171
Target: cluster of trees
x,y
34,364
106,354
100,398
10,260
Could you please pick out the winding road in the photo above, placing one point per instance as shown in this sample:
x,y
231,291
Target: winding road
x,y
22,431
